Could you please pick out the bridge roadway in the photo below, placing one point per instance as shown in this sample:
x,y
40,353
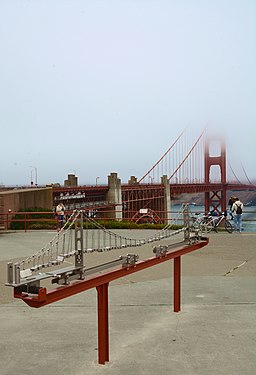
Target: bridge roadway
x,y
129,199
98,193
213,334
101,190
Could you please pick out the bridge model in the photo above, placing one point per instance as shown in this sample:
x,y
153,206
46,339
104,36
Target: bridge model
x,y
76,241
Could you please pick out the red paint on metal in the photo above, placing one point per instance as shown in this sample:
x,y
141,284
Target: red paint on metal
x,y
101,283
147,173
216,198
186,157
103,332
47,297
177,284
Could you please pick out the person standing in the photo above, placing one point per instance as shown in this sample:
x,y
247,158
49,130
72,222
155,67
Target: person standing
x,y
60,212
231,201
237,209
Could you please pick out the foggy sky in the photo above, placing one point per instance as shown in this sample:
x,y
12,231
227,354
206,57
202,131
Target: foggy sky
x,y
93,87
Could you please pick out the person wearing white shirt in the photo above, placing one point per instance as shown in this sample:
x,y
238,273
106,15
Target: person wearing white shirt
x,y
60,211
237,210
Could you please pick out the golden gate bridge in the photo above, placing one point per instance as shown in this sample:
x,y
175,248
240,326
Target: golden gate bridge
x,y
188,166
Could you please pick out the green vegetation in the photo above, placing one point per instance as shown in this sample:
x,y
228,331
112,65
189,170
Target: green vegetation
x,y
36,221
33,221
117,224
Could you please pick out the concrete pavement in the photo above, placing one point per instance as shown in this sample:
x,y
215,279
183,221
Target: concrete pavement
x,y
213,334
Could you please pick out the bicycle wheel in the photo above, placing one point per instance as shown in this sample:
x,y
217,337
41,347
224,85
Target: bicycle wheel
x,y
228,226
206,226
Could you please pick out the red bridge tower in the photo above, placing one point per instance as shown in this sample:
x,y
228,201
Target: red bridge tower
x,y
216,199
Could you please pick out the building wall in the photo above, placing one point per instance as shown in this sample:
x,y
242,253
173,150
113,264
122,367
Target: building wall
x,y
71,181
15,200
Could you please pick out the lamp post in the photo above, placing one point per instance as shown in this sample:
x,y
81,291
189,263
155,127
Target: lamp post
x,y
31,177
35,168
97,180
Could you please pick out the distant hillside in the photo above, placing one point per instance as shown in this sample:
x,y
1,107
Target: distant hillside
x,y
247,197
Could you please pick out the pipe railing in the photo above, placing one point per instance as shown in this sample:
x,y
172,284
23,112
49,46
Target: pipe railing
x,y
30,218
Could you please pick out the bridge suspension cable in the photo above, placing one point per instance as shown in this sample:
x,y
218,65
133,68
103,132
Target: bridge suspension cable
x,y
182,162
65,245
166,153
234,174
187,156
246,175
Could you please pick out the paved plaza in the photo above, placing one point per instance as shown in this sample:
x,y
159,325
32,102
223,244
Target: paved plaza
x,y
214,334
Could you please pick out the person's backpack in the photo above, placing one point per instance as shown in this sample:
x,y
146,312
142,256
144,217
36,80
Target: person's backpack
x,y
238,209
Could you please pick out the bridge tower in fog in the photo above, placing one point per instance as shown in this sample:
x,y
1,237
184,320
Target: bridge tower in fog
x,y
215,157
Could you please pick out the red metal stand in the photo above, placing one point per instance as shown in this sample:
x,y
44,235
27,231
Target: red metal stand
x,y
103,336
177,284
101,283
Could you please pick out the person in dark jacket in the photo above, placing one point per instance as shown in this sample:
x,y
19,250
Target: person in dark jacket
x,y
231,201
237,209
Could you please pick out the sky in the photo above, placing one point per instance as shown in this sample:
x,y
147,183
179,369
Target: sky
x,y
101,86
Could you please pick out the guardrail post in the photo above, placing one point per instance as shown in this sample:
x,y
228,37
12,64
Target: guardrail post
x,y
177,284
103,335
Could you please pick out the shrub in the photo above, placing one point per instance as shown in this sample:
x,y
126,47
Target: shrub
x,y
117,224
20,223
50,223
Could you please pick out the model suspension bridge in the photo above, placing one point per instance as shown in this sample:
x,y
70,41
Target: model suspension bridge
x,y
82,235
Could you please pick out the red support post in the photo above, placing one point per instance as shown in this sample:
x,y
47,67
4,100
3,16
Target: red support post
x,y
177,284
217,199
103,336
101,282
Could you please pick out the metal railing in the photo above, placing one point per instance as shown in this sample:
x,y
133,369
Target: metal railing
x,y
48,220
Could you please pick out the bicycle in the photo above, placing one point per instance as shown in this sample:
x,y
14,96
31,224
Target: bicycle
x,y
209,222
199,222
215,221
